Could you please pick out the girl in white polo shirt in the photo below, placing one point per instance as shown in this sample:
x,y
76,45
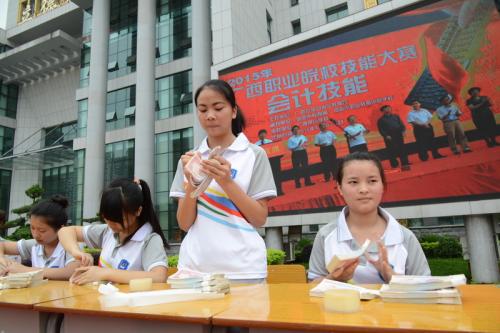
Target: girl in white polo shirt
x,y
221,223
44,250
132,242
395,249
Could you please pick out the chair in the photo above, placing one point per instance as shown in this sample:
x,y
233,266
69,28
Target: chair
x,y
171,270
286,274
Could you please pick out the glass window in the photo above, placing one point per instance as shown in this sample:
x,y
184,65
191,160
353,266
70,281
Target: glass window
x,y
168,150
336,13
61,180
85,53
119,161
8,100
122,45
5,181
61,134
173,95
296,27
294,3
118,108
82,118
6,140
173,30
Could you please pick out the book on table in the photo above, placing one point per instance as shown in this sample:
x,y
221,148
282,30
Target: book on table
x,y
422,283
340,259
423,289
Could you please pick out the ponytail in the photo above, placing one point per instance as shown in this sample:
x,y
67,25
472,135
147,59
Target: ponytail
x,y
125,195
148,213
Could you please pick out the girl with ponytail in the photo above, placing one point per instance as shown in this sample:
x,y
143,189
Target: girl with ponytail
x,y
131,240
44,250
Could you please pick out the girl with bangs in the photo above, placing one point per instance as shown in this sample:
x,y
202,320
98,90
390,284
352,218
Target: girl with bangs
x,y
131,239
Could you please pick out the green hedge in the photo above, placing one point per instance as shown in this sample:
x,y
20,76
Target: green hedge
x,y
441,246
275,257
449,266
173,260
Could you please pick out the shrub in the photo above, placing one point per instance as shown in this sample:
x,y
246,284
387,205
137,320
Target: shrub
x,y
430,248
446,247
173,260
303,250
275,257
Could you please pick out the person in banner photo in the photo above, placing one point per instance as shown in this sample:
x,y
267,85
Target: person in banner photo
x,y
355,134
325,141
392,130
420,119
297,144
262,138
482,116
449,114
394,249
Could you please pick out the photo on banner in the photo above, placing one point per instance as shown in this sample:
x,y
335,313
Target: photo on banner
x,y
427,53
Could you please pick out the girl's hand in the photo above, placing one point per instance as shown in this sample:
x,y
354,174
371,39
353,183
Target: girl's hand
x,y
382,264
345,272
85,259
218,168
185,159
83,275
4,261
14,267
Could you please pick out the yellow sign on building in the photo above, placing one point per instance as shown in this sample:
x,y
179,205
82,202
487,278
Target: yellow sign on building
x,y
370,3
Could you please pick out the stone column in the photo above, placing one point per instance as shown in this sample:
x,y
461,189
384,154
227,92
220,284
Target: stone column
x,y
274,238
96,124
482,248
145,93
201,55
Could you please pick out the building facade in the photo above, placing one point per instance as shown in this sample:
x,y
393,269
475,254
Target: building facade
x,y
95,90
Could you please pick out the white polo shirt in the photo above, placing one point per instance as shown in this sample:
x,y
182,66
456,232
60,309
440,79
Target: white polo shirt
x,y
30,250
142,252
221,239
403,250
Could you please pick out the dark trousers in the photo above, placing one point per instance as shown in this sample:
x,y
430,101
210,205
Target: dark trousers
x,y
424,137
361,147
328,155
300,167
396,148
485,123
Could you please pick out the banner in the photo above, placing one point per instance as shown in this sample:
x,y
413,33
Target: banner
x,y
421,55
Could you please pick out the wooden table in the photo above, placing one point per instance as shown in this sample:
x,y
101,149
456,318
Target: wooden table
x,y
16,305
260,308
288,307
85,314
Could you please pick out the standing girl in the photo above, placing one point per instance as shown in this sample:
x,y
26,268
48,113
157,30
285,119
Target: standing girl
x,y
44,250
221,223
362,182
132,242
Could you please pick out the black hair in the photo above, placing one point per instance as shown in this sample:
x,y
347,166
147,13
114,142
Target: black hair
x,y
445,97
383,107
125,196
294,127
237,124
53,210
262,131
472,89
359,156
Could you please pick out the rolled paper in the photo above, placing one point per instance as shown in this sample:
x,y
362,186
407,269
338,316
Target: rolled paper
x,y
141,284
342,300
